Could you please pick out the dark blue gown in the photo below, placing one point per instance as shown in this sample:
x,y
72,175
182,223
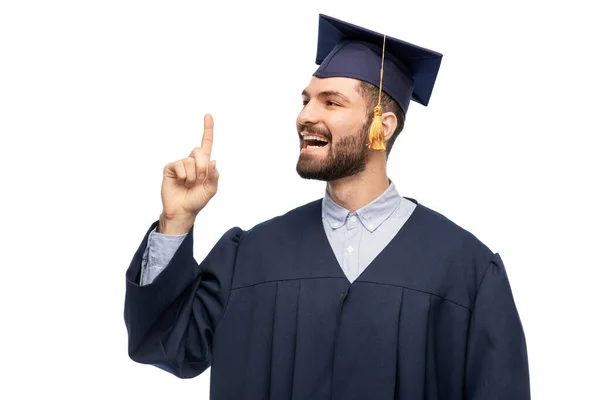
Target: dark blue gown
x,y
273,315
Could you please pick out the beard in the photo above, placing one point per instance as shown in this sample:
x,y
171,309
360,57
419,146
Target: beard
x,y
344,158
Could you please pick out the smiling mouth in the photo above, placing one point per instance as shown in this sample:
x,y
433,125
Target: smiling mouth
x,y
310,142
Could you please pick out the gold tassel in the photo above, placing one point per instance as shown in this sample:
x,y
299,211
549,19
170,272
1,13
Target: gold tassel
x,y
376,139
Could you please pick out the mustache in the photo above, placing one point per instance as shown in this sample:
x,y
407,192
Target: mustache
x,y
316,130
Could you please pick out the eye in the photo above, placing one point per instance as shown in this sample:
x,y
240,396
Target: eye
x,y
331,103
304,102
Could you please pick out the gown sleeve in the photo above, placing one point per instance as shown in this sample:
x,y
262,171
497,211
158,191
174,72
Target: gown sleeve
x,y
497,365
170,322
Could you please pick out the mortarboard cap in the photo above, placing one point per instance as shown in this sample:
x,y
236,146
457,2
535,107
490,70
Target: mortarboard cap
x,y
347,50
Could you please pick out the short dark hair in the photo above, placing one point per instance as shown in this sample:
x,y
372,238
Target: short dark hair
x,y
371,95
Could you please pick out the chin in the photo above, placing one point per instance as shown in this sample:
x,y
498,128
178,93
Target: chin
x,y
310,176
307,170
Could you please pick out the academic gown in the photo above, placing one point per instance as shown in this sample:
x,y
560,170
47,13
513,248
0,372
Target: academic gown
x,y
272,313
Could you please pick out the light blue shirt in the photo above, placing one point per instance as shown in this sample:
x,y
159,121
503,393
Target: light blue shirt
x,y
356,238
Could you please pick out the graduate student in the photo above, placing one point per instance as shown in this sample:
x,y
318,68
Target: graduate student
x,y
363,294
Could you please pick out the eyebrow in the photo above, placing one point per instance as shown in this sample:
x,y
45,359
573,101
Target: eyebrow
x,y
327,93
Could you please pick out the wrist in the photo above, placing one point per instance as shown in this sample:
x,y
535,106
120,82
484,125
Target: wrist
x,y
174,225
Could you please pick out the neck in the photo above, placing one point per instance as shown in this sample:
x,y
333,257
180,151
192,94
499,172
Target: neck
x,y
356,191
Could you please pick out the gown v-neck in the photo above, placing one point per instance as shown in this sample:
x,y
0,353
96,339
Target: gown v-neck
x,y
330,262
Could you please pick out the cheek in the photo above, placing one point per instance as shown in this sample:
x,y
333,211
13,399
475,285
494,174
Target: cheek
x,y
344,125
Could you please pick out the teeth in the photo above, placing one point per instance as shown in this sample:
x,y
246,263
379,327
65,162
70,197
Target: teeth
x,y
315,138
314,147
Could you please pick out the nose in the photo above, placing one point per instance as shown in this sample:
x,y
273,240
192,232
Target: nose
x,y
308,115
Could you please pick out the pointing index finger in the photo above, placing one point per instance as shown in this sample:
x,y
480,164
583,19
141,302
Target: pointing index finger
x,y
207,136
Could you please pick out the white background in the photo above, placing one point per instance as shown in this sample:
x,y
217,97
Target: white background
x,y
97,96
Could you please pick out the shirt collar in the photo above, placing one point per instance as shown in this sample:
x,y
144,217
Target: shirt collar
x,y
333,213
371,216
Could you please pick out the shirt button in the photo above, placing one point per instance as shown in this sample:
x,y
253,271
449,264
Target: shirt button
x,y
335,224
350,249
370,227
353,218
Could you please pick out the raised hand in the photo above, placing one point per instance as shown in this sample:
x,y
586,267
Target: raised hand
x,y
188,185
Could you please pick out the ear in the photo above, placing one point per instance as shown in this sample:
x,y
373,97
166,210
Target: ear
x,y
390,122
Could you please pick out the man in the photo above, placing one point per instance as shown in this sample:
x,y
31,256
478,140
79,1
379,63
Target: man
x,y
363,294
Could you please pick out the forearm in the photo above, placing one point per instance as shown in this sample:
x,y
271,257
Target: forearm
x,y
163,242
157,255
